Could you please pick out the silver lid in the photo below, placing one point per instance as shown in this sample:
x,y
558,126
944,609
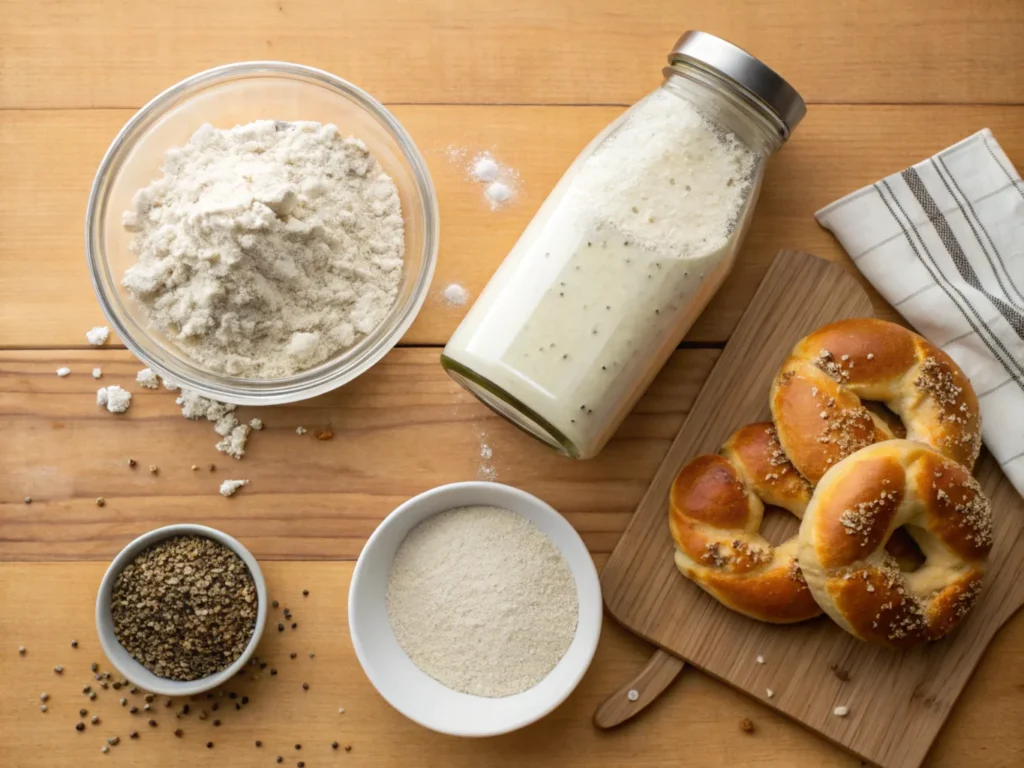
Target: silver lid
x,y
754,77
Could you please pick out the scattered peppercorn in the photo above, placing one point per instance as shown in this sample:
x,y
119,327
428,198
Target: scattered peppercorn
x,y
213,467
79,727
44,696
245,699
300,764
133,710
298,746
311,654
59,670
95,720
83,712
209,745
305,686
114,741
334,745
177,732
132,462
100,501
94,667
273,671
42,707
293,654
279,759
280,627
348,747
216,723
133,734
202,714
74,643
92,695
305,593
275,604
746,725
295,625
152,723
28,499
154,468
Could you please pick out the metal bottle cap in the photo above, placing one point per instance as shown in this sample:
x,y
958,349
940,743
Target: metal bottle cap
x,y
754,78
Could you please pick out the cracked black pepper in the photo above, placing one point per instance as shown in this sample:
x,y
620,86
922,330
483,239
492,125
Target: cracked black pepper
x,y
185,608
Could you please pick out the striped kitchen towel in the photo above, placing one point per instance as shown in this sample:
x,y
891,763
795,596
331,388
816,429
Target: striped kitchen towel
x,y
943,242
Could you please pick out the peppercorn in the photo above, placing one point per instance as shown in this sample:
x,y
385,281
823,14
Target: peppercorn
x,y
79,726
177,732
209,745
334,745
152,723
259,743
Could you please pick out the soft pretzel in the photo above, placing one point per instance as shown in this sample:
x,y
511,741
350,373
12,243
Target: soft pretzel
x,y
816,396
715,511
857,506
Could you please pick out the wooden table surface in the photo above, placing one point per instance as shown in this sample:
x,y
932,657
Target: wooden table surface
x,y
887,83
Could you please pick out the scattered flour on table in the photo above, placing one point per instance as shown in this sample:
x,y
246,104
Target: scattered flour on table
x,y
300,430
265,249
455,295
113,398
147,379
482,601
500,182
65,371
230,487
98,336
486,470
234,434
256,424
97,373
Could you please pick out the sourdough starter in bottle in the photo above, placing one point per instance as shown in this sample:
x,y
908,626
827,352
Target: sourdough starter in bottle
x,y
627,250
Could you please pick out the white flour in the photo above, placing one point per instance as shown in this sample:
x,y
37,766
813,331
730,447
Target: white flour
x,y
267,248
482,601
455,295
500,182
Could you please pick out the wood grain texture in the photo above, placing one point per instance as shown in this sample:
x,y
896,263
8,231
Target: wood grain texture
x,y
49,158
633,697
400,429
644,591
533,51
696,724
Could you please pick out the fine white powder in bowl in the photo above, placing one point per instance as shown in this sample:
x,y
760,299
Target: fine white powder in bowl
x,y
482,601
267,248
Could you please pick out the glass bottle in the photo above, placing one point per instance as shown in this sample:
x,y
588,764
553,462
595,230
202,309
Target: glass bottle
x,y
627,250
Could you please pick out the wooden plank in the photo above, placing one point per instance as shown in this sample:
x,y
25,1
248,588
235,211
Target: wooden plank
x,y
400,429
644,591
533,51
696,723
48,158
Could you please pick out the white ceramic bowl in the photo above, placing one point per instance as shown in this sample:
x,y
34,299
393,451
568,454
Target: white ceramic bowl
x,y
413,692
123,660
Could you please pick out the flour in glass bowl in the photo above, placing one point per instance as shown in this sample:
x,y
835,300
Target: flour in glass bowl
x,y
267,248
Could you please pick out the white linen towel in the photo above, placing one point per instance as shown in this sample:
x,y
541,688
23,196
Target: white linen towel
x,y
943,242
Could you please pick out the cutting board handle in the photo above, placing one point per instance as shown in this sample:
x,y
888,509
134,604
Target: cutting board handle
x,y
654,678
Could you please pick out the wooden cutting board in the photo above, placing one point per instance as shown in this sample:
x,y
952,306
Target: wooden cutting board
x,y
897,701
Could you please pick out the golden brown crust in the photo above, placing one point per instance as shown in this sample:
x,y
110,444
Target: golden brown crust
x,y
756,452
715,511
854,511
816,397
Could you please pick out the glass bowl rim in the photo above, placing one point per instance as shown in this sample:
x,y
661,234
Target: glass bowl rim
x,y
305,384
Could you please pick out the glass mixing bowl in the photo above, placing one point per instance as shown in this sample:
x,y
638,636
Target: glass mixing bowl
x,y
233,95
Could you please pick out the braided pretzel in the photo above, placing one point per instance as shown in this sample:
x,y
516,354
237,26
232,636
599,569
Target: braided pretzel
x,y
857,506
816,397
715,511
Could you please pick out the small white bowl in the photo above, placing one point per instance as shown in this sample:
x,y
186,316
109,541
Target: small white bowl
x,y
413,692
125,663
